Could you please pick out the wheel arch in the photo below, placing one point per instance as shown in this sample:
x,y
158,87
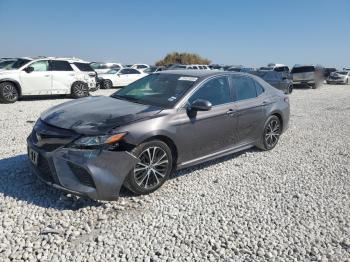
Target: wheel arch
x,y
279,115
167,140
15,82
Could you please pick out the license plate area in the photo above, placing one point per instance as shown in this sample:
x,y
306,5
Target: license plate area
x,y
33,156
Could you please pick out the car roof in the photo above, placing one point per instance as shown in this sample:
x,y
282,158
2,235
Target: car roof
x,y
202,73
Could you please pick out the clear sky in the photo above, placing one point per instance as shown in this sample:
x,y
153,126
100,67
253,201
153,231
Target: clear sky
x,y
231,32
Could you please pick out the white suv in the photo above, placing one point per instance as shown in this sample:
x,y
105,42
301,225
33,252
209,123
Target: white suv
x,y
46,76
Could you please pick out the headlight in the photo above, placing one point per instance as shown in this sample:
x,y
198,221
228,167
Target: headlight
x,y
97,141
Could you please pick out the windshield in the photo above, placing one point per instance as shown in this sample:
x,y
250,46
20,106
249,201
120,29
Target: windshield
x,y
112,71
19,63
150,70
342,73
163,90
6,63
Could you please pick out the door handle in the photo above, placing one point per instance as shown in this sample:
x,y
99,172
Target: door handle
x,y
231,112
265,102
46,75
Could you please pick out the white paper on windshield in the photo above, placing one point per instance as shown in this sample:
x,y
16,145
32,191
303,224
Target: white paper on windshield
x,y
171,99
188,78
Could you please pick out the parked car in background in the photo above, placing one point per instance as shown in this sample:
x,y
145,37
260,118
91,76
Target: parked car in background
x,y
142,133
236,68
194,66
46,76
306,75
6,63
121,77
101,68
140,67
277,79
276,67
327,71
154,69
339,77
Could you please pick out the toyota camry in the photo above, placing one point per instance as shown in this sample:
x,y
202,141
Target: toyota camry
x,y
142,133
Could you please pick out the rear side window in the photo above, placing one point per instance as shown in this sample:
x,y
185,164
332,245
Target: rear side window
x,y
216,91
133,71
303,69
244,88
85,67
56,65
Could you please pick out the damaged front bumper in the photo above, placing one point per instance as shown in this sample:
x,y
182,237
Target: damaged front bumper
x,y
96,174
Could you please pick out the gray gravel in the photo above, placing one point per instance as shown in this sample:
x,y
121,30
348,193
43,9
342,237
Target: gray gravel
x,y
292,203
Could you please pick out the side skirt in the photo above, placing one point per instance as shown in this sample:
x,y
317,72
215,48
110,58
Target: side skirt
x,y
214,156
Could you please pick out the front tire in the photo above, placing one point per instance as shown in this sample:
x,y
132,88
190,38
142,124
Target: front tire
x,y
107,84
8,93
271,133
79,90
154,168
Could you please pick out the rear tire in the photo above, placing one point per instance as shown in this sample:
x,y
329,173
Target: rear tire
x,y
79,90
107,84
8,93
271,133
154,168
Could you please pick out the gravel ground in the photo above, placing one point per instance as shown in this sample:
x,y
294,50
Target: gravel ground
x,y
292,203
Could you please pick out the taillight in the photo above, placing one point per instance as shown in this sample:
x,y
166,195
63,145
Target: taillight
x,y
286,99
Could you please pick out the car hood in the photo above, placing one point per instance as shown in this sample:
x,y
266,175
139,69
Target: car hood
x,y
96,115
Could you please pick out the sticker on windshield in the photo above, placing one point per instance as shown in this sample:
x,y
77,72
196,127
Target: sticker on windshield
x,y
171,99
188,78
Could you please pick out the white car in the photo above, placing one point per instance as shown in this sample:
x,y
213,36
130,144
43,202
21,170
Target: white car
x,y
339,77
196,67
46,76
140,67
102,68
121,77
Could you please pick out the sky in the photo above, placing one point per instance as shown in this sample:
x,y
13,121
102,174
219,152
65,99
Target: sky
x,y
250,32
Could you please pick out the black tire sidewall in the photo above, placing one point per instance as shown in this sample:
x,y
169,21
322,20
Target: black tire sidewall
x,y
107,84
74,95
2,98
130,182
265,145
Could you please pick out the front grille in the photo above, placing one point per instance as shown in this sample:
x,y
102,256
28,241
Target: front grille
x,y
44,170
50,138
82,175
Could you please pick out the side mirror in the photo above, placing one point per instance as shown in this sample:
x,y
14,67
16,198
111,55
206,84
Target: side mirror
x,y
200,105
29,69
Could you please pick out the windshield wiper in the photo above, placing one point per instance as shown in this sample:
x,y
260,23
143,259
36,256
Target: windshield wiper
x,y
128,98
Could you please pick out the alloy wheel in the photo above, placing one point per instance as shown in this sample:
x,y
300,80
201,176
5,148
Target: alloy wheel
x,y
80,89
9,92
107,84
272,133
152,168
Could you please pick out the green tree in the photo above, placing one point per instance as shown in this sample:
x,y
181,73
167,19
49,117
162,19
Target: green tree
x,y
182,58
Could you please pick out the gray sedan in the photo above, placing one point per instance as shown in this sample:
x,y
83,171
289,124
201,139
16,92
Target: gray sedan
x,y
142,133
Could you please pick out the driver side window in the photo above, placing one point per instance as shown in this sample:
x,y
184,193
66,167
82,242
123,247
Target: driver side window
x,y
40,66
216,91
